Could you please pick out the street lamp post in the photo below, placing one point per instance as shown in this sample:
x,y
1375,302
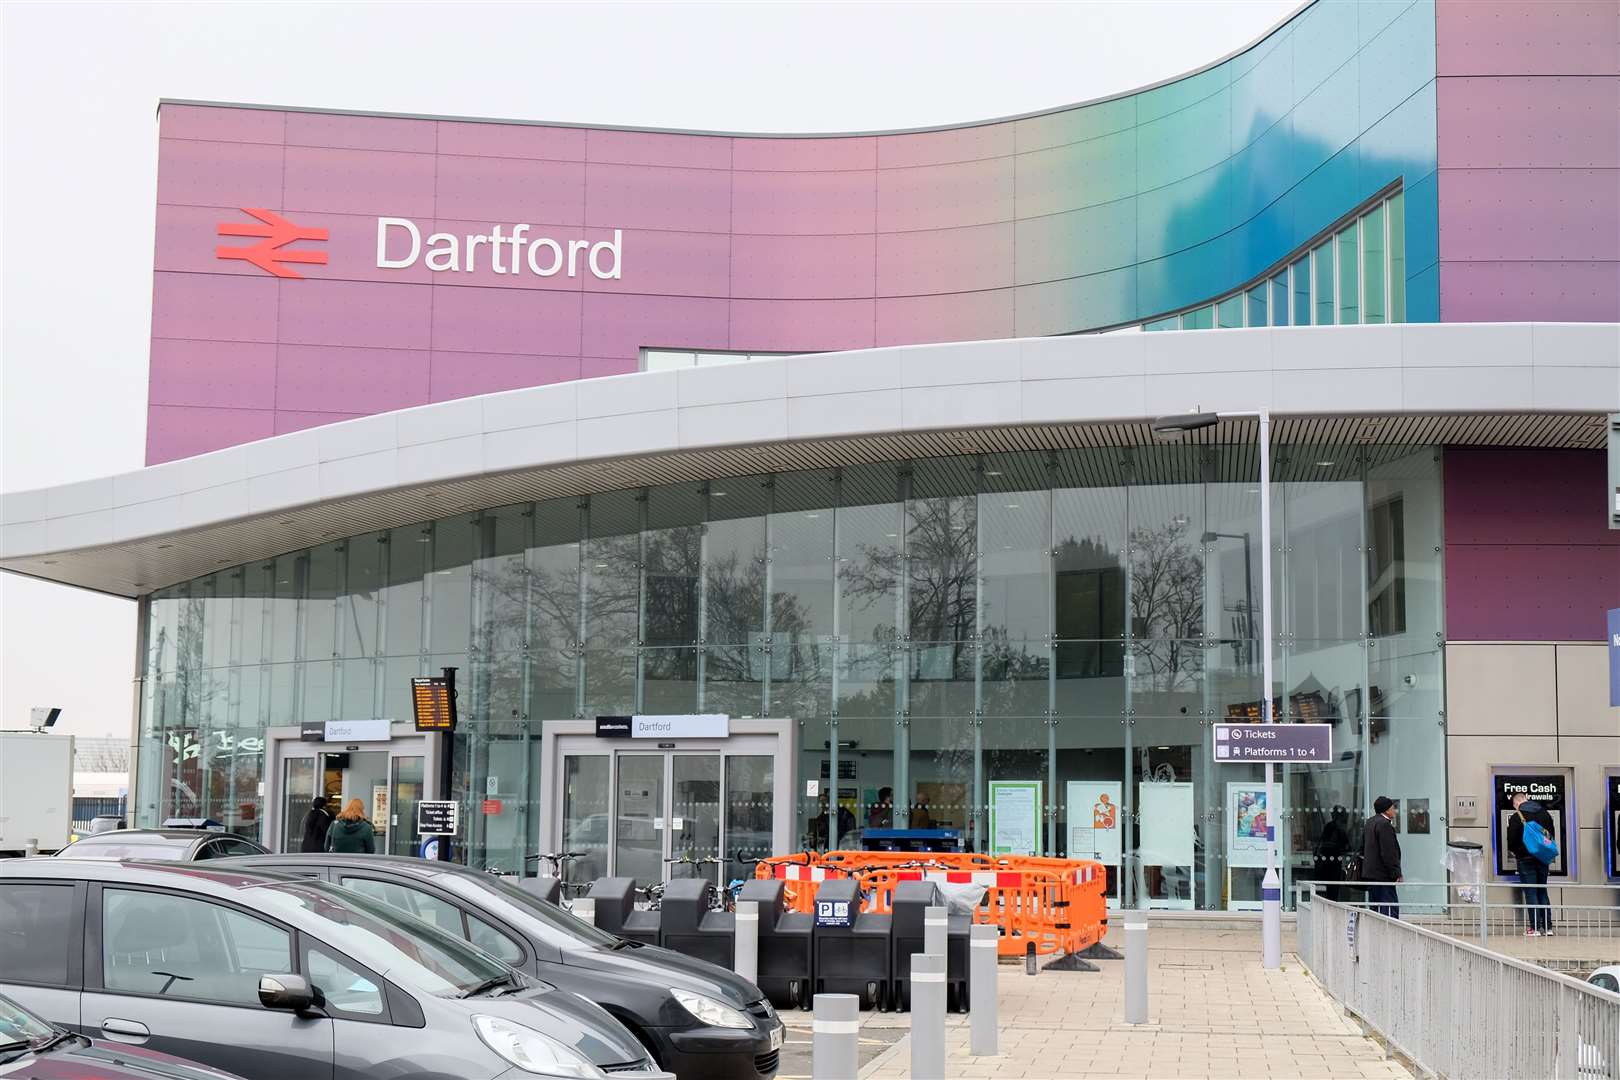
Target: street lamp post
x,y
1271,884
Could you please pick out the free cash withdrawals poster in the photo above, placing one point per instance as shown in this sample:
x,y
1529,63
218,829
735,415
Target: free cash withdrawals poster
x,y
1015,817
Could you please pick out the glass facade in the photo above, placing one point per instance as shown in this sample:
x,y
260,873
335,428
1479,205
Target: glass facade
x,y
1355,274
1072,617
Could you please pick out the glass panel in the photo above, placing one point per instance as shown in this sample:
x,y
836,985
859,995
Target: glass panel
x,y
1279,299
1349,278
1300,275
158,944
1257,305
359,603
672,555
320,604
345,989
554,628
402,601
1322,287
585,813
455,543
750,801
1397,257
639,825
734,563
658,360
424,906
366,778
694,824
297,795
1229,312
492,941
409,778
612,572
669,680
1199,319
1372,265
1172,323
37,929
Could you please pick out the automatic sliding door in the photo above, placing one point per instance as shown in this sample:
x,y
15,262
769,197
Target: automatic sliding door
x,y
297,796
694,821
750,810
639,824
406,790
586,824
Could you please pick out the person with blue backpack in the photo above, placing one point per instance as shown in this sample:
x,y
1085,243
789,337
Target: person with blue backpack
x,y
1531,839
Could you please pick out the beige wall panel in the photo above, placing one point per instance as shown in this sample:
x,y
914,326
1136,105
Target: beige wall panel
x,y
1583,692
1500,690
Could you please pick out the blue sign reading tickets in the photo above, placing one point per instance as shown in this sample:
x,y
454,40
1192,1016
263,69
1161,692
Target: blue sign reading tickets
x,y
833,913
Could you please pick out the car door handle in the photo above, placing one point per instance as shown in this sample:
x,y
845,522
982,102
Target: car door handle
x,y
124,1030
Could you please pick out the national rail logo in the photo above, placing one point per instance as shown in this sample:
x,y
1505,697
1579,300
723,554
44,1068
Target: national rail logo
x,y
271,253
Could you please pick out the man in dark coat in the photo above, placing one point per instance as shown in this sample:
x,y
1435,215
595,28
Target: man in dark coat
x,y
317,819
1381,858
1532,871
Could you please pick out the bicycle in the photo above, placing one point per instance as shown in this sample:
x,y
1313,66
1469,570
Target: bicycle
x,y
557,862
720,899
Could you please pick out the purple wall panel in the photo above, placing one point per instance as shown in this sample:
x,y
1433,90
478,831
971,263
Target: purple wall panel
x,y
511,140
212,373
1529,154
818,326
946,196
222,125
945,317
186,430
526,321
249,174
1512,37
945,260
463,374
319,378
362,132
287,421
940,147
805,155
622,324
658,197
482,261
372,182
1528,554
1528,215
211,307
803,202
511,190
359,313
805,267
1521,292
658,148
669,263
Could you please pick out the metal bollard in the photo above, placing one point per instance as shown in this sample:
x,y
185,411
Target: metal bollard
x,y
1136,946
745,960
983,942
585,909
927,1016
934,930
1271,920
30,849
835,1037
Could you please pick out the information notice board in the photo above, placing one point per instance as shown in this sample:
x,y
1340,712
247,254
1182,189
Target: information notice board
x,y
433,698
1015,817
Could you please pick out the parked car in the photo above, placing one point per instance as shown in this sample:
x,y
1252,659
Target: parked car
x,y
164,845
31,1048
697,1019
273,977
1606,977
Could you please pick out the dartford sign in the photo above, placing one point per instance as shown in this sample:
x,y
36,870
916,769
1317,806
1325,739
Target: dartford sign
x,y
508,249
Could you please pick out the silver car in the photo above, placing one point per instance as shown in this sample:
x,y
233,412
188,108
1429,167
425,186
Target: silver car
x,y
273,977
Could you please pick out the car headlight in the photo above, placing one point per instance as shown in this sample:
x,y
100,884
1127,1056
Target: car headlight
x,y
709,1011
531,1050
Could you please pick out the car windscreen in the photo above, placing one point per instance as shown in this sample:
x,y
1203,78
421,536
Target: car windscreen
x,y
158,848
548,922
405,949
16,1025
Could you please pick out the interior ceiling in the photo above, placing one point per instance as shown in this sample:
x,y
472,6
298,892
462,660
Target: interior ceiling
x,y
141,566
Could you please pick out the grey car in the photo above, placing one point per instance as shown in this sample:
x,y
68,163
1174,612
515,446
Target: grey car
x,y
272,977
164,845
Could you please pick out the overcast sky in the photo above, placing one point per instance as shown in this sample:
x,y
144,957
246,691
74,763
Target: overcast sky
x,y
81,86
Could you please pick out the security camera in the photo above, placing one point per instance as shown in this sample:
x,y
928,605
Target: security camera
x,y
1409,679
44,717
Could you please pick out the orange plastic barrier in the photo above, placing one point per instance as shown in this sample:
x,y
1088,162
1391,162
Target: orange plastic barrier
x,y
1043,905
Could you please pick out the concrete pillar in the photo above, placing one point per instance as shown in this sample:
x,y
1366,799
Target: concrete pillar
x,y
934,930
927,1016
746,958
835,1037
983,944
1136,967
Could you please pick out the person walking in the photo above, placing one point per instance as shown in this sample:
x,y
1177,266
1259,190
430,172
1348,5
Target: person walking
x,y
1381,858
1532,870
351,833
317,819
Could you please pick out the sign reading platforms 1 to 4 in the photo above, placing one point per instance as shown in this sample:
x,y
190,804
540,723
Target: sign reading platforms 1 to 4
x,y
438,817
1305,743
434,699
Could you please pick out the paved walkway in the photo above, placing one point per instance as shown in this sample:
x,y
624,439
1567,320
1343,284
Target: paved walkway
x,y
1215,1013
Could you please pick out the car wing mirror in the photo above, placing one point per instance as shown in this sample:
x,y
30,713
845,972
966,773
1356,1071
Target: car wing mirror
x,y
291,993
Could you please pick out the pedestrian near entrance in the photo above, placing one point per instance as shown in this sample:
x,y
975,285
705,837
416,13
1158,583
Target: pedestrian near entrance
x,y
1381,858
351,833
1532,864
317,819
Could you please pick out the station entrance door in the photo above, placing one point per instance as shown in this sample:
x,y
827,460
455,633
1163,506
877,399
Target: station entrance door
x,y
635,807
388,777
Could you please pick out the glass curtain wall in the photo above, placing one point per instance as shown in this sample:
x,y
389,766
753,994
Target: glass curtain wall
x,y
936,629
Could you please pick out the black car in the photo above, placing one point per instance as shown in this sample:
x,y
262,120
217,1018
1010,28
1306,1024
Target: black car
x,y
163,845
697,1019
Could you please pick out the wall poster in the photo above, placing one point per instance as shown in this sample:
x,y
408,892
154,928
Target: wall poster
x,y
1015,817
1095,825
1550,785
1247,823
1166,841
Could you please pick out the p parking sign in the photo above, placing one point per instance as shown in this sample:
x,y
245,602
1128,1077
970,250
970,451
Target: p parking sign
x,y
833,913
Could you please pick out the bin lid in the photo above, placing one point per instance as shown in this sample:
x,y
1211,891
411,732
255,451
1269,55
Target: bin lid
x,y
1465,845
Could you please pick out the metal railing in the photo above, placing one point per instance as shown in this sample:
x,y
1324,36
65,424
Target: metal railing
x,y
1584,920
1453,1008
